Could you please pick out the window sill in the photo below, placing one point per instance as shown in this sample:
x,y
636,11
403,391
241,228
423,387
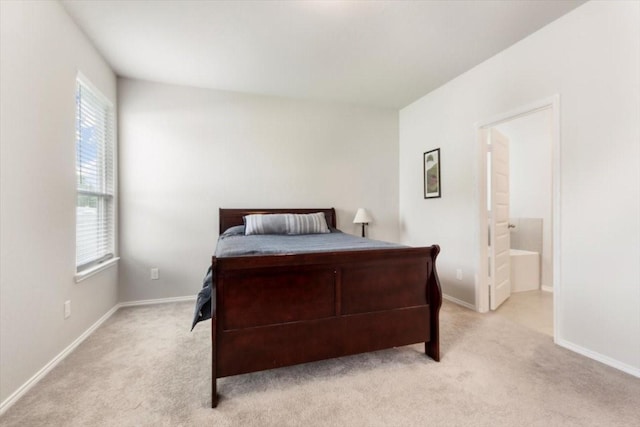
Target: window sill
x,y
94,270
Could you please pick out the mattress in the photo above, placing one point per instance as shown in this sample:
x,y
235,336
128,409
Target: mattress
x,y
234,243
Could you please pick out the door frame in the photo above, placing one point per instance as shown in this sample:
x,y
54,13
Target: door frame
x,y
482,286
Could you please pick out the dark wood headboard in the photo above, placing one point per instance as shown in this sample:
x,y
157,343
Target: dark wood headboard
x,y
231,217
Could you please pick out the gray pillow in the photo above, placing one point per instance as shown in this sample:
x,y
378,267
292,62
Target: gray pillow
x,y
315,223
265,224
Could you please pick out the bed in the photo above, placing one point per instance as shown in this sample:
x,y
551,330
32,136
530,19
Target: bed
x,y
280,309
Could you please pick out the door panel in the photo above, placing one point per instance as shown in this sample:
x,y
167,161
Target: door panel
x,y
499,251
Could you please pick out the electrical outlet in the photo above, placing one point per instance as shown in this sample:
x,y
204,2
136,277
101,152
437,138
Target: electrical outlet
x,y
155,274
459,274
67,309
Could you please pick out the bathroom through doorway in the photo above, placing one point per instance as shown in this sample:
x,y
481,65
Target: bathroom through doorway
x,y
518,219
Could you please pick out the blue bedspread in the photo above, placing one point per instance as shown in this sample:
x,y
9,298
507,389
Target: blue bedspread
x,y
233,243
236,244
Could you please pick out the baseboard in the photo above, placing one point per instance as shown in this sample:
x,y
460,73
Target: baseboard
x,y
156,301
459,302
13,398
547,288
599,358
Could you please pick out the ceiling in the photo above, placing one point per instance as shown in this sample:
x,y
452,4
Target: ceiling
x,y
374,53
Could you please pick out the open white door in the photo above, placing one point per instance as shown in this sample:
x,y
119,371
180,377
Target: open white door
x,y
499,239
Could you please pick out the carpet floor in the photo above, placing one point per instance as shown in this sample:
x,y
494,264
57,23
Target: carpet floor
x,y
144,368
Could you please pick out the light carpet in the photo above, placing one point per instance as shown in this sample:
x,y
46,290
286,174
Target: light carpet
x,y
144,368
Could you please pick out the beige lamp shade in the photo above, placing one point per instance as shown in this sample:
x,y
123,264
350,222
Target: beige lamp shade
x,y
362,217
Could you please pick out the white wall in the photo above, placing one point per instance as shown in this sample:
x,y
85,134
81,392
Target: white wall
x,y
530,179
186,152
591,58
41,51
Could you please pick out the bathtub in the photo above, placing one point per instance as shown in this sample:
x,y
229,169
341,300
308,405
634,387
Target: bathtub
x,y
525,270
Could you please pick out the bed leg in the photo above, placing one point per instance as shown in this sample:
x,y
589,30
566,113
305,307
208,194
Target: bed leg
x,y
214,393
432,349
434,297
214,365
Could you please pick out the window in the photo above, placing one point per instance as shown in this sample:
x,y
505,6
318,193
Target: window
x,y
94,177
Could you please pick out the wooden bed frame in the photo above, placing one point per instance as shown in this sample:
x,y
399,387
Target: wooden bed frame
x,y
281,310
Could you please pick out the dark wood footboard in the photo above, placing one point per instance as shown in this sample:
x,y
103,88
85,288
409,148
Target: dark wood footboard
x,y
275,311
280,310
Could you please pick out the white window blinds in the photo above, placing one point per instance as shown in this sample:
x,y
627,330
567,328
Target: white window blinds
x,y
94,177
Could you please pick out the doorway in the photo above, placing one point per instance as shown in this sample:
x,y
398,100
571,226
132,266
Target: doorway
x,y
519,232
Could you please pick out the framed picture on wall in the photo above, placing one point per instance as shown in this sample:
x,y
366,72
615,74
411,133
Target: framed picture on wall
x,y
431,164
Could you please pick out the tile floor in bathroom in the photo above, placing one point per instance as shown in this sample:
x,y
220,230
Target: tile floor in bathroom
x,y
533,309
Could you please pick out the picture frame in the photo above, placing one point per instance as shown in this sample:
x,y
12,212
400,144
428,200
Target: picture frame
x,y
431,179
